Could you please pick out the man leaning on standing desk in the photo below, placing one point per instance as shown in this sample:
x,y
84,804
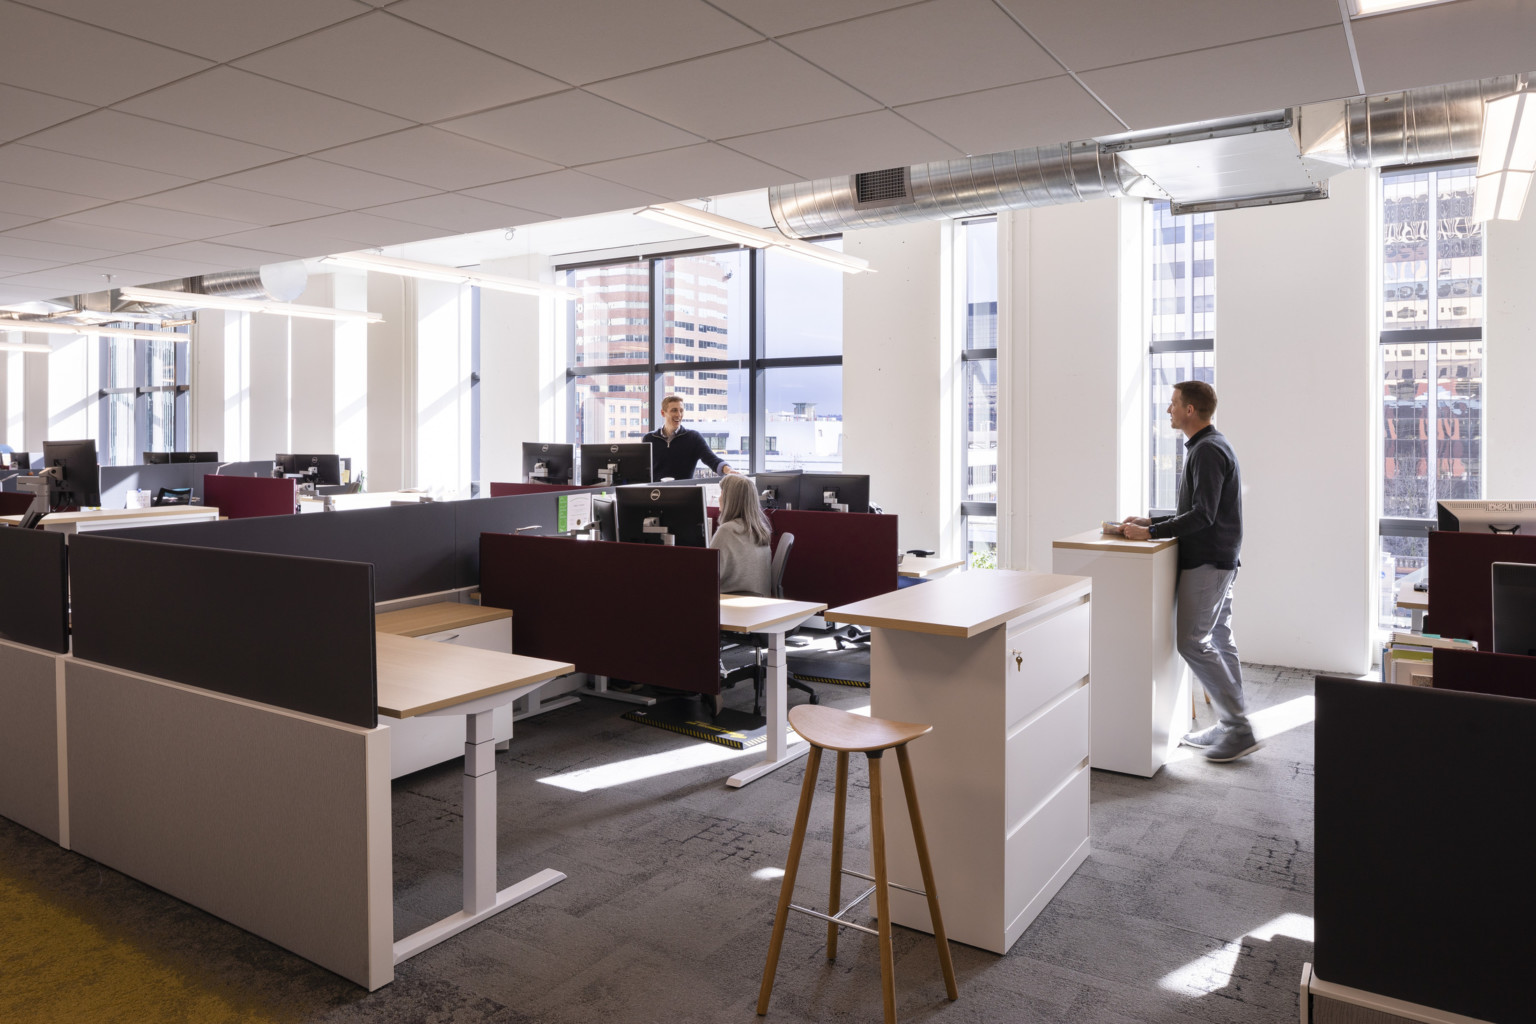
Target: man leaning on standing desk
x,y
675,450
1209,528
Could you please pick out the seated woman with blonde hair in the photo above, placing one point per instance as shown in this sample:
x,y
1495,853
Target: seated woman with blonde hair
x,y
743,538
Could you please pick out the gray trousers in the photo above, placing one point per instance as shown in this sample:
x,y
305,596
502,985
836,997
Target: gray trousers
x,y
1203,633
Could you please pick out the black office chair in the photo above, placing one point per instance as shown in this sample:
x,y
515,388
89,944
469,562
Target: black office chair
x,y
756,670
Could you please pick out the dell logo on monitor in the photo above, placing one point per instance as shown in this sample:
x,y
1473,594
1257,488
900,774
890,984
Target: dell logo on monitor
x,y
656,495
614,449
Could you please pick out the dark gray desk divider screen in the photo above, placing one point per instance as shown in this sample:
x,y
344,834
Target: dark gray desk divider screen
x,y
1425,886
117,481
535,514
34,596
296,633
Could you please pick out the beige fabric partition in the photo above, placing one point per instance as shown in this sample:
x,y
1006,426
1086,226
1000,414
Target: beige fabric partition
x,y
29,739
274,821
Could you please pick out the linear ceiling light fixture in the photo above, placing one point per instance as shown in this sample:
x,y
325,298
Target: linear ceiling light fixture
x,y
452,275
184,299
43,327
1508,157
678,215
1369,8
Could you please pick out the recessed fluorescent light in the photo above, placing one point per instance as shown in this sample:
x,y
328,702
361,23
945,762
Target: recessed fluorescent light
x,y
184,299
679,215
452,275
1369,8
1507,159
42,327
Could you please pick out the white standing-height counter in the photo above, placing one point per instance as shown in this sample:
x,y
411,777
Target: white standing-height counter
x,y
997,662
1140,684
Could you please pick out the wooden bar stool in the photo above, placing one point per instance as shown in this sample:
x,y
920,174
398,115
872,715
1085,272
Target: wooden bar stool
x,y
830,729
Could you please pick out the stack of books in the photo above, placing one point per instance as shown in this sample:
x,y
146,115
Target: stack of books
x,y
1408,658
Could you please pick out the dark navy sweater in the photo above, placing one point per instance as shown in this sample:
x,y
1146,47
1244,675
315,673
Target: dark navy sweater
x,y
679,457
1209,521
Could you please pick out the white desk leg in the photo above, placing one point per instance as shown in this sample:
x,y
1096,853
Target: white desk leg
x,y
780,750
481,899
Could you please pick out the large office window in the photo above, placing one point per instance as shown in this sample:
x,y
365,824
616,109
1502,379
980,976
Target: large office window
x,y
751,342
1181,260
144,398
977,252
1430,361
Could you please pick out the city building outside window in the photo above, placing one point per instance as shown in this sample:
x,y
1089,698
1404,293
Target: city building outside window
x,y
1181,325
144,400
978,405
1430,362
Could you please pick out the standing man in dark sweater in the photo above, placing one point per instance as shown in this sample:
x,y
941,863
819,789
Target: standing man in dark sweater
x,y
675,450
1209,526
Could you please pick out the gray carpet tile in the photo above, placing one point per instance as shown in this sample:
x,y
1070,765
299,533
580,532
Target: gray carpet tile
x,y
1194,906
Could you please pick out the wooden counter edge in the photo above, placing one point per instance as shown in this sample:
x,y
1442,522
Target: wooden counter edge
x,y
1096,540
1063,595
470,615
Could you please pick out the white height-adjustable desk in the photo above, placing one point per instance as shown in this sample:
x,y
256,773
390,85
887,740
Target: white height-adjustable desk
x,y
743,613
87,520
422,678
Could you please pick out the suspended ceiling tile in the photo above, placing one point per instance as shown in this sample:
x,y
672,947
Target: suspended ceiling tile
x,y
754,89
1450,43
1014,117
22,265
55,252
139,268
433,157
214,200
295,241
137,217
845,145
23,111
41,203
564,194
218,255
367,229
785,16
570,128
926,51
67,58
458,214
237,104
1089,34
388,64
330,184
42,168
691,172
11,294
218,31
14,220
93,236
1266,74
579,41
116,137
63,280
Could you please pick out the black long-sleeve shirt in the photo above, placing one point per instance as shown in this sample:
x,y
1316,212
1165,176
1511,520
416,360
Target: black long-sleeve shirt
x,y
1209,521
678,457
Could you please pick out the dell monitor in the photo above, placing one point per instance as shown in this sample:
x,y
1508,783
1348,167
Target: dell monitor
x,y
14,464
157,458
313,469
547,463
1477,515
172,496
613,465
194,457
662,515
1514,608
604,519
74,479
834,492
778,490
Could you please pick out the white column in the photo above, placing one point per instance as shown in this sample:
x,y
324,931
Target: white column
x,y
1509,331
391,376
442,406
271,430
312,372
350,395
521,383
71,404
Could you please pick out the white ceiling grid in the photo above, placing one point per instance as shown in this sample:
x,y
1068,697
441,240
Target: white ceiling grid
x,y
165,138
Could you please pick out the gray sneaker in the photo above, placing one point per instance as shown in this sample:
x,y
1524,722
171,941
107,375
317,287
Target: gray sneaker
x,y
1235,744
1205,737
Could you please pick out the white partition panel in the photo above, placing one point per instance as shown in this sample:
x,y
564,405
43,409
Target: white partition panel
x,y
29,750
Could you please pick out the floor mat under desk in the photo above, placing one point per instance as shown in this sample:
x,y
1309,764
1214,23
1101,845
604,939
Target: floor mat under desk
x,y
738,730
844,668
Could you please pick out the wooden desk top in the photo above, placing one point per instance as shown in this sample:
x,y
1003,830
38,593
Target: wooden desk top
x,y
746,613
921,566
963,604
99,515
1097,540
434,618
418,676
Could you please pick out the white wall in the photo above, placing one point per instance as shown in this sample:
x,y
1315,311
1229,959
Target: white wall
x,y
522,384
269,402
391,389
1295,376
1510,335
312,369
898,378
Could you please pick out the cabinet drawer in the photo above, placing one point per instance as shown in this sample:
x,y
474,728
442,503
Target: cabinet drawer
x,y
1044,752
1043,658
1044,843
495,635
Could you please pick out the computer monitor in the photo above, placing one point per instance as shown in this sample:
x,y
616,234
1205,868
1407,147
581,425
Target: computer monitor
x,y
74,478
603,517
778,490
1476,515
18,463
315,469
662,515
611,465
172,496
157,458
194,457
547,463
834,492
1514,608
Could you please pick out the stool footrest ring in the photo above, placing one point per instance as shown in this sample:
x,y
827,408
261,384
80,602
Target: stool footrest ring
x,y
893,885
835,920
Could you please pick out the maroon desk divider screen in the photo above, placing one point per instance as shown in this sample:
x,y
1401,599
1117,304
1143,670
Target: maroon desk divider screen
x,y
1502,675
641,612
15,503
1461,580
839,557
503,490
245,497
